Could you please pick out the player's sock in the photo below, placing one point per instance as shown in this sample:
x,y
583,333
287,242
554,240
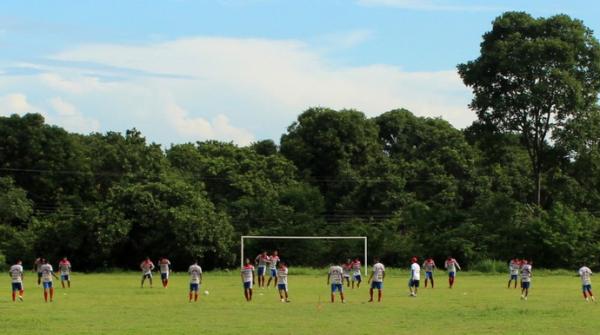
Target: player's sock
x,y
431,282
342,296
379,294
51,293
45,296
584,295
332,297
190,297
371,295
196,296
14,295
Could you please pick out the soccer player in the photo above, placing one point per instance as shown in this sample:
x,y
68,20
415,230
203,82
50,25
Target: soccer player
x,y
47,274
347,267
377,276
37,264
165,268
248,279
586,281
261,261
147,266
273,260
282,283
451,265
429,266
335,276
525,279
415,277
16,274
195,272
65,272
513,267
356,276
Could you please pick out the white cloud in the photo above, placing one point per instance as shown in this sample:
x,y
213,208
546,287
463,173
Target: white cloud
x,y
198,128
75,85
344,40
67,116
60,112
16,103
429,5
232,89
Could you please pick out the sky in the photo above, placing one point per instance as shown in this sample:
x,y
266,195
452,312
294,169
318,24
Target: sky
x,y
242,70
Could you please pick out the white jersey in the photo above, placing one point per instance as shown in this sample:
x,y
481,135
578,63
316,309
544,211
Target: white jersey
x,y
47,271
64,267
585,273
164,266
428,266
16,273
273,260
147,267
378,270
526,273
247,272
451,265
356,267
347,267
514,269
282,275
195,272
336,274
262,260
415,271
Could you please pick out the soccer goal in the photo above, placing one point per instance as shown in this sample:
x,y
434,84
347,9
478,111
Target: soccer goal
x,y
255,237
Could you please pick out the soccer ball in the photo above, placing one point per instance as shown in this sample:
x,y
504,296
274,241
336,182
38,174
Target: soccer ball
x,y
206,293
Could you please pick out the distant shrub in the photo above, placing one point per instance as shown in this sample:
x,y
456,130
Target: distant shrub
x,y
489,266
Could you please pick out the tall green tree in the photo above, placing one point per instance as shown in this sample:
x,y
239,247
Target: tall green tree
x,y
532,77
332,149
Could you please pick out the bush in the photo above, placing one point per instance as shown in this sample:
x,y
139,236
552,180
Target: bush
x,y
489,266
3,264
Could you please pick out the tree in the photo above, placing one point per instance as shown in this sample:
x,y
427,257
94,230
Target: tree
x,y
332,149
46,161
436,160
533,76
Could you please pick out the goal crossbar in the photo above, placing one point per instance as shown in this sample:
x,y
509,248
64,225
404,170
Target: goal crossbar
x,y
257,237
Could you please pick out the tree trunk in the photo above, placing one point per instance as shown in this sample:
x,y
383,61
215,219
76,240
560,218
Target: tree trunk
x,y
538,187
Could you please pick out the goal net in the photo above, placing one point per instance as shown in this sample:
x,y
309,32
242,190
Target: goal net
x,y
244,239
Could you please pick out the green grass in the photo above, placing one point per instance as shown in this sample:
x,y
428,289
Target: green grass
x,y
479,304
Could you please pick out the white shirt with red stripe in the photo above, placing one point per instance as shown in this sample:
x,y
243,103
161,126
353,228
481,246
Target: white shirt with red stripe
x,y
273,261
336,274
282,275
356,267
195,272
147,267
16,273
65,267
247,271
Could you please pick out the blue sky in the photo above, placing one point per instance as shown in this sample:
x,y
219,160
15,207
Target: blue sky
x,y
241,70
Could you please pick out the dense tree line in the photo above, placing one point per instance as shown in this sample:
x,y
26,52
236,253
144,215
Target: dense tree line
x,y
523,180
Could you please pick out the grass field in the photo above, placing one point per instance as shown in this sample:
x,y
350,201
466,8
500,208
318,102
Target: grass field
x,y
479,304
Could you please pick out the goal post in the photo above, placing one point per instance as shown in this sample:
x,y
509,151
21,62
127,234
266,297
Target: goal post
x,y
258,237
